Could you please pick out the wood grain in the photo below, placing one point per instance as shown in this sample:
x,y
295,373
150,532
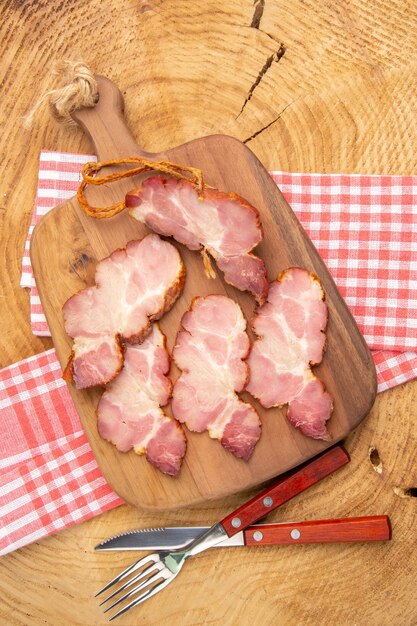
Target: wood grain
x,y
347,84
67,233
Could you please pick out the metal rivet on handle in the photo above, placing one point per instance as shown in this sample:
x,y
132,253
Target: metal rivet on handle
x,y
257,535
268,501
295,533
236,522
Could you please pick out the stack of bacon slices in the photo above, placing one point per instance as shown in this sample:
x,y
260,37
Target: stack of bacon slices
x,y
115,342
117,345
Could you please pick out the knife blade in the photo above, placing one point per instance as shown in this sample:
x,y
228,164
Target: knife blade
x,y
353,529
159,538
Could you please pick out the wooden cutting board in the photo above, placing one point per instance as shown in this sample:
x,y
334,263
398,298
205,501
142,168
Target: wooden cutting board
x,y
66,246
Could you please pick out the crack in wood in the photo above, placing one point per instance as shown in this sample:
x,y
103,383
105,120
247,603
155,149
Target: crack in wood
x,y
261,130
257,15
272,37
375,459
409,492
276,56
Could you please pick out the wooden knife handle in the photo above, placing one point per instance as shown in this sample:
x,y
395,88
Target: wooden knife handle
x,y
285,488
376,528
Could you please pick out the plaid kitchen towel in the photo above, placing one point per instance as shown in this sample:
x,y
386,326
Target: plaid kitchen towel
x,y
364,228
59,177
49,478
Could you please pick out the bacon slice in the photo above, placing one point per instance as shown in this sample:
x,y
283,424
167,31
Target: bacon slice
x,y
223,224
129,411
290,327
210,352
133,287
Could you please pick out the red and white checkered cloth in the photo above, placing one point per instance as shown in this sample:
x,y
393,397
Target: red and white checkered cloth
x,y
49,478
58,179
365,230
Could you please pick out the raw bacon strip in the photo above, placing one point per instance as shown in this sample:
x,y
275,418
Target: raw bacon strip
x,y
290,327
133,287
223,224
210,352
129,411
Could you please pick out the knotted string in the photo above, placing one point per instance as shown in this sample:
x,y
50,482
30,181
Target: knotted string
x,y
76,88
190,174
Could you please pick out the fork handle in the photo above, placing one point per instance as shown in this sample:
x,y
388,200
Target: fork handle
x,y
374,528
285,488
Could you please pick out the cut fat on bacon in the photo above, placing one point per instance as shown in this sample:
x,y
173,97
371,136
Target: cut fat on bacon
x,y
210,352
223,224
129,411
290,327
133,287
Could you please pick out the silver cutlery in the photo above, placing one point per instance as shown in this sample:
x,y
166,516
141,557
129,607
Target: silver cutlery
x,y
154,572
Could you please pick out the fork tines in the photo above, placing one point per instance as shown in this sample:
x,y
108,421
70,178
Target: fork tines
x,y
153,574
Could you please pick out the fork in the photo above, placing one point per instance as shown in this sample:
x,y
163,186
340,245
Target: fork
x,y
157,570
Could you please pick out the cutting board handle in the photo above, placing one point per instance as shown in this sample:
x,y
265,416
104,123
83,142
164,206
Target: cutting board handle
x,y
105,125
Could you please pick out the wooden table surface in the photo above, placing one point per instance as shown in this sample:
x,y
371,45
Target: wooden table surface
x,y
314,86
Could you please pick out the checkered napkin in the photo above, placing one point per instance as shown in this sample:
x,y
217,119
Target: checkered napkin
x,y
58,180
49,478
364,227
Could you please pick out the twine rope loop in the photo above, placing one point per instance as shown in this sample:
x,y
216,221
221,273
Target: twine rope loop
x,y
89,171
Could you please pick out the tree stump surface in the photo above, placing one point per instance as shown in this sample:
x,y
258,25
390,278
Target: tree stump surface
x,y
309,87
